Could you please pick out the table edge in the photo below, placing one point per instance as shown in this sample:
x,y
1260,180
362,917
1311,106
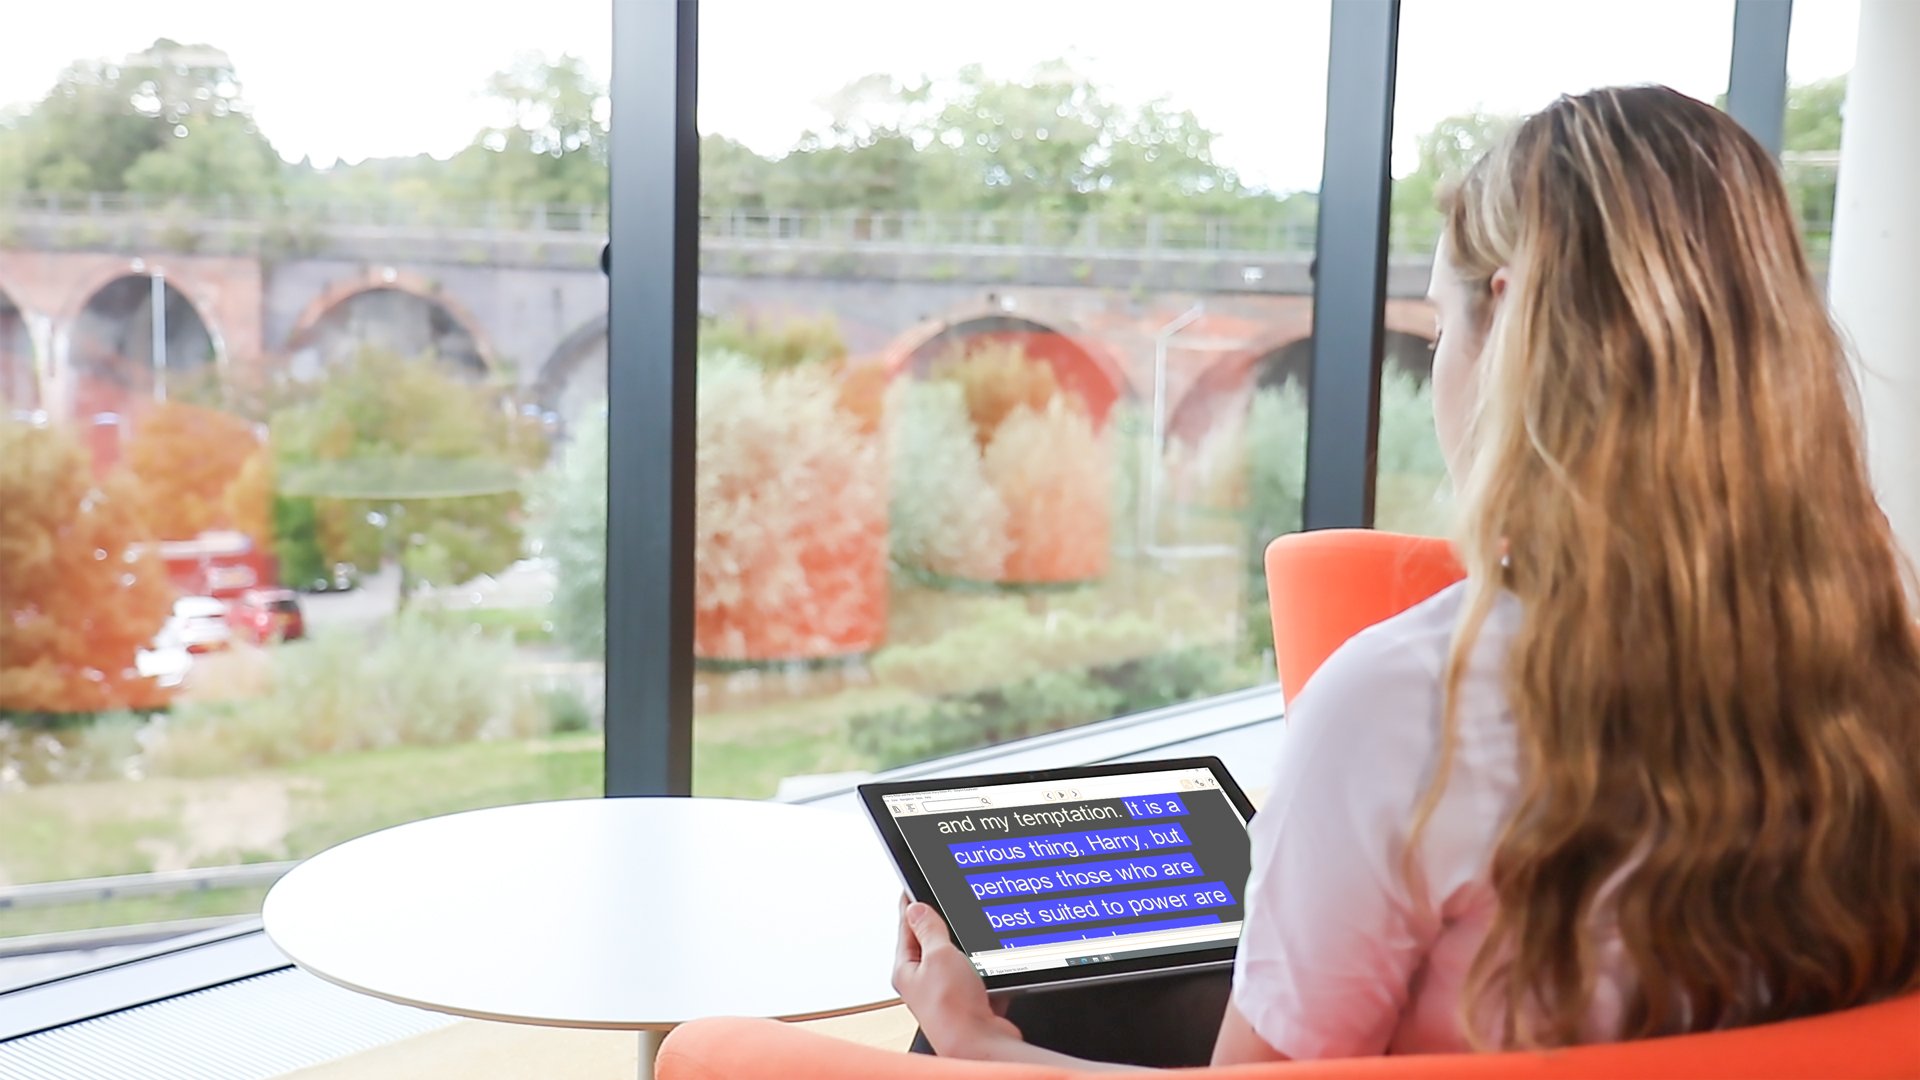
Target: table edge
x,y
575,1024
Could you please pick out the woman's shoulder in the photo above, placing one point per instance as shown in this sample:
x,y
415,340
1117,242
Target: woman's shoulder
x,y
1375,684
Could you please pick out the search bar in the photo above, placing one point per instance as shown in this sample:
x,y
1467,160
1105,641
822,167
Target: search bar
x,y
941,806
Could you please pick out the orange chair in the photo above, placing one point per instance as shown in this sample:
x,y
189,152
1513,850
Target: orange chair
x,y
1875,1042
1325,586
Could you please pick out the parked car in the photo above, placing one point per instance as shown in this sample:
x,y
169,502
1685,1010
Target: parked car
x,y
267,615
166,665
198,624
344,578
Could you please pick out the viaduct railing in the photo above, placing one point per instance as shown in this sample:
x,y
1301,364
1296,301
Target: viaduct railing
x,y
1237,251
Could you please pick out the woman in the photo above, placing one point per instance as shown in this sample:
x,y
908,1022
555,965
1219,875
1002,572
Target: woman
x,y
1654,767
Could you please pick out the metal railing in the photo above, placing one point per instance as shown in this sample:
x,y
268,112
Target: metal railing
x,y
1093,234
100,219
158,883
92,218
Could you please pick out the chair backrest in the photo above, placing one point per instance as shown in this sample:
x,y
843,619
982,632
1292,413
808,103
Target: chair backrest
x,y
1328,585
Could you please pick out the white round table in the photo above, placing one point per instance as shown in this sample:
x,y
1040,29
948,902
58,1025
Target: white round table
x,y
603,913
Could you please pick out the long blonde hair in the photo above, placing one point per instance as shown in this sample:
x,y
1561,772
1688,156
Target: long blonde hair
x,y
1716,680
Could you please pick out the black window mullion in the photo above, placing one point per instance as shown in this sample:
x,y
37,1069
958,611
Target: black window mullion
x,y
653,280
1757,73
1349,289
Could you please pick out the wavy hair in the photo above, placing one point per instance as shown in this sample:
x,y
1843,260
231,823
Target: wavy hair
x,y
1716,679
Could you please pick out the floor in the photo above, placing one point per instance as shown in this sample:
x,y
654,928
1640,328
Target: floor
x,y
475,1050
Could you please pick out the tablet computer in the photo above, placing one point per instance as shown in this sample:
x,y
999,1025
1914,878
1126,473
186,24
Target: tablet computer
x,y
1074,875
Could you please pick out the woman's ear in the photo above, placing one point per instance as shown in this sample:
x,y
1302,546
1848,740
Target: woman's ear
x,y
1497,285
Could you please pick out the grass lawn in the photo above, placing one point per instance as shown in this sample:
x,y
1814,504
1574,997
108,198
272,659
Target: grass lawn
x,y
522,626
753,728
103,828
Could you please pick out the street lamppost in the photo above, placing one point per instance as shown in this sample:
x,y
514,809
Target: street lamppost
x,y
159,305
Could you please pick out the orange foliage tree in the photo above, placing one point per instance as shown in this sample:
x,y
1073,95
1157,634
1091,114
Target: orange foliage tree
x,y
790,549
995,378
184,458
248,501
1053,471
1030,502
78,595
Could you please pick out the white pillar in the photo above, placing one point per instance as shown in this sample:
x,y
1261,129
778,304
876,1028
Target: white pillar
x,y
1873,278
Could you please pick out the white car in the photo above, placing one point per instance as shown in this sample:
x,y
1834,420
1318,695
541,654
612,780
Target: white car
x,y
198,624
166,665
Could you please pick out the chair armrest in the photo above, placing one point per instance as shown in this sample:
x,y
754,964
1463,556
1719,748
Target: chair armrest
x,y
736,1048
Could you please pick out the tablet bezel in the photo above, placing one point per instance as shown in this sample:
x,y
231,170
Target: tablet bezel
x,y
872,796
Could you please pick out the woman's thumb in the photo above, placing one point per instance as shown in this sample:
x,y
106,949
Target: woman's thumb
x,y
926,925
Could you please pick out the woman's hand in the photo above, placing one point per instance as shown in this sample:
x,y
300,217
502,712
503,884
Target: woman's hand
x,y
943,991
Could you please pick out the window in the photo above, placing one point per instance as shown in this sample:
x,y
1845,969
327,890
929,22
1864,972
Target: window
x,y
1819,55
1467,71
296,364
1001,380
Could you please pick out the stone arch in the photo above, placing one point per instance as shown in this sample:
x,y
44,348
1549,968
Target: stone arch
x,y
22,367
1287,357
1080,362
570,379
108,346
450,329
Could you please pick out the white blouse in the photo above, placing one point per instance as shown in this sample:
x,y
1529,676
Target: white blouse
x,y
1338,957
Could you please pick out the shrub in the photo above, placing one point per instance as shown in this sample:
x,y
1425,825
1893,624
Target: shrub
x,y
1000,475
415,684
1132,441
570,511
1276,484
1002,642
567,711
1411,495
1213,473
1055,473
70,748
775,347
947,519
790,526
1048,701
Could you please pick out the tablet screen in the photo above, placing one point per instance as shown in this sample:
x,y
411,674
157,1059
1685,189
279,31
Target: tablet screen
x,y
1059,873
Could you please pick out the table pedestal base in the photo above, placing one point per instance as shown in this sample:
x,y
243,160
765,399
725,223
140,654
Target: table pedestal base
x,y
650,1049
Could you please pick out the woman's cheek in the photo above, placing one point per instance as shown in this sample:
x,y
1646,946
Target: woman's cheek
x,y
1452,400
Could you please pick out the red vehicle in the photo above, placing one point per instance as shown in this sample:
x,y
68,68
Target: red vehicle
x,y
263,616
221,564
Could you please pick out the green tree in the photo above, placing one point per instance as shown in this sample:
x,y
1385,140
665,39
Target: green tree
x,y
551,146
732,176
1814,114
1051,143
1812,141
170,120
407,461
1445,153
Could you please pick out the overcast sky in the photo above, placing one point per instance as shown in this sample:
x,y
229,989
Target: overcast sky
x,y
350,79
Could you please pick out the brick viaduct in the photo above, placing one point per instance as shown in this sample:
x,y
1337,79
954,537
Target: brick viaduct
x,y
533,311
